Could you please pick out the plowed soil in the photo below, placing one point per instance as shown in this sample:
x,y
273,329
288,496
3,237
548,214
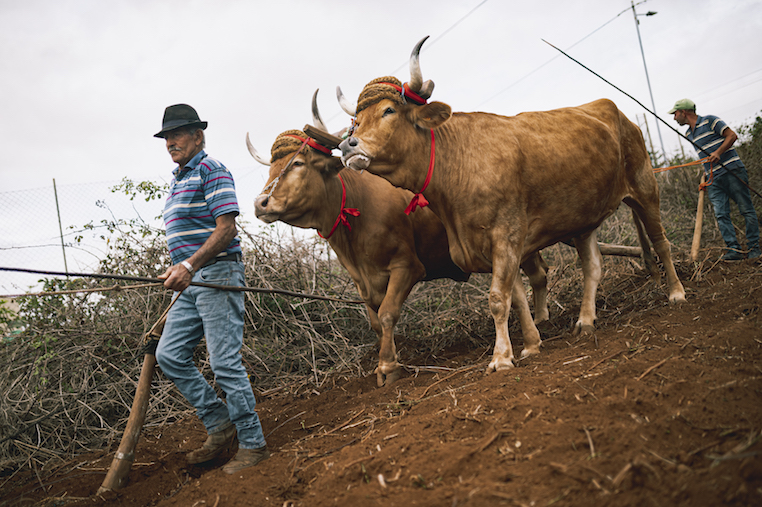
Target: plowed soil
x,y
661,406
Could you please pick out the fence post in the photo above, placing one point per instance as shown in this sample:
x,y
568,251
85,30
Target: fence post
x,y
60,229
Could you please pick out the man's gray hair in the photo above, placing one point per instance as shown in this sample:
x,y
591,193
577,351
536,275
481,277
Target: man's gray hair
x,y
192,131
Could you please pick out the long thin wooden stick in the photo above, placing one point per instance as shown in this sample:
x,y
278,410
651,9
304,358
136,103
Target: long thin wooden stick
x,y
116,478
699,220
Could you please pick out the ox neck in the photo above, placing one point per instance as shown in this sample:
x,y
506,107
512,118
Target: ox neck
x,y
418,199
343,212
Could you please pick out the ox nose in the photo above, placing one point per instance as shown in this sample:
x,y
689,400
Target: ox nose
x,y
347,144
260,204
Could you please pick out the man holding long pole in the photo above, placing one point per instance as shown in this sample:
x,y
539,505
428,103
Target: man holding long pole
x,y
204,246
712,136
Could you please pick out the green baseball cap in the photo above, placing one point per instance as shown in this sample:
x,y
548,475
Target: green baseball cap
x,y
683,104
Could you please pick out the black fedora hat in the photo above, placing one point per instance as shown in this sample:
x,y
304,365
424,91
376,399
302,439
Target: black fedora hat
x,y
179,115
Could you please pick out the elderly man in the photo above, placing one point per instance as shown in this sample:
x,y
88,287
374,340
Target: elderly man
x,y
204,246
716,139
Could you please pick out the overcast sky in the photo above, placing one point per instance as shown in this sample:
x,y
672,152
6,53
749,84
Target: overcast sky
x,y
86,81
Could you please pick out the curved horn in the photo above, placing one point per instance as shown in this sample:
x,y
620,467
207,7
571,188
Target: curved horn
x,y
255,153
427,89
317,121
416,77
348,107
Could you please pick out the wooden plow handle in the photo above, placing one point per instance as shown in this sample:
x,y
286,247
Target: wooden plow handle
x,y
116,478
699,220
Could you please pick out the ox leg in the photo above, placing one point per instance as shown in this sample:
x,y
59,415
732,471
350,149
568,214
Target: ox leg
x,y
529,329
375,324
645,246
651,219
504,276
400,284
387,350
537,271
590,254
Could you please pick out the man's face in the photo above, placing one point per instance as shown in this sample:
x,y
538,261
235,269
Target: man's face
x,y
680,117
182,145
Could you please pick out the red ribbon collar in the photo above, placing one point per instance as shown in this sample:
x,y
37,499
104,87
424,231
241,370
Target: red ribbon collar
x,y
312,143
342,218
418,199
405,91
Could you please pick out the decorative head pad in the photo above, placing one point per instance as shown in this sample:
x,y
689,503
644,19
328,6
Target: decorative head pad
x,y
290,141
378,90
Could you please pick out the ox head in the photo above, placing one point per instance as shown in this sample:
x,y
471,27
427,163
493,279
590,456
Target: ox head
x,y
392,120
295,189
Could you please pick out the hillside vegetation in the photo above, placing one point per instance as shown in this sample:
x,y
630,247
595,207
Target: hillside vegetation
x,y
68,378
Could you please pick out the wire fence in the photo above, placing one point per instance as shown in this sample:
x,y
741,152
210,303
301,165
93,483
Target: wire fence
x,y
32,237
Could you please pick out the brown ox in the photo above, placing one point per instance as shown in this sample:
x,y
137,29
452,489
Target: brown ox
x,y
508,186
385,251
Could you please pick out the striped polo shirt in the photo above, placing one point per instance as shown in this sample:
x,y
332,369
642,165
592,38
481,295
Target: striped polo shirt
x,y
199,193
708,135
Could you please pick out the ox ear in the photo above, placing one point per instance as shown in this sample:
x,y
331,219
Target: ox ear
x,y
431,116
332,165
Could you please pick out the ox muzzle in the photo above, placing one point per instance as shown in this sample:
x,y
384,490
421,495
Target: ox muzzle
x,y
261,209
352,154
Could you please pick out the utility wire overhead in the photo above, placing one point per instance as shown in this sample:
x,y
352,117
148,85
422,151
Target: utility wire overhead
x,y
434,41
555,57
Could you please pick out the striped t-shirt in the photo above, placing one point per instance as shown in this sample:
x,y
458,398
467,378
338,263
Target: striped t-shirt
x,y
199,193
708,135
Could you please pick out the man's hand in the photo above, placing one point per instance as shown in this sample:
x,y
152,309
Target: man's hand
x,y
730,138
176,277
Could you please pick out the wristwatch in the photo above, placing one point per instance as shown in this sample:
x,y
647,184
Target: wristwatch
x,y
189,267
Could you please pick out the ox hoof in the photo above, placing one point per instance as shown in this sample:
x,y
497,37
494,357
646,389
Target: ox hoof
x,y
499,365
583,329
677,299
387,379
529,351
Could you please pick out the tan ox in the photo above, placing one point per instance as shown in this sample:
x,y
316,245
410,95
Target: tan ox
x,y
385,251
508,186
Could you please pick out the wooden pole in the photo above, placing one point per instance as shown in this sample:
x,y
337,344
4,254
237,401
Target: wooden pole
x,y
699,221
60,228
620,250
616,250
116,478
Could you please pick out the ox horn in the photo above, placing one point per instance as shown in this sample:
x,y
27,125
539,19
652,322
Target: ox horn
x,y
416,84
317,121
348,107
255,153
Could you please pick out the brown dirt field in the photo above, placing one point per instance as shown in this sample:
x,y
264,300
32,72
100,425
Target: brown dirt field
x,y
661,406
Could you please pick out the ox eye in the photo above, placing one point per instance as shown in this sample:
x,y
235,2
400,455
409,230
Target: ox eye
x,y
389,110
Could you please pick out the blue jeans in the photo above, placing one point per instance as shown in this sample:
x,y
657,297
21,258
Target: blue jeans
x,y
218,315
727,187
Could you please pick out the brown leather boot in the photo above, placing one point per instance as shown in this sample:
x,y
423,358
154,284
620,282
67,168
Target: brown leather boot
x,y
215,444
246,458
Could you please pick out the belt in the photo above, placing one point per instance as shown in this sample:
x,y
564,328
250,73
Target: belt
x,y
236,257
